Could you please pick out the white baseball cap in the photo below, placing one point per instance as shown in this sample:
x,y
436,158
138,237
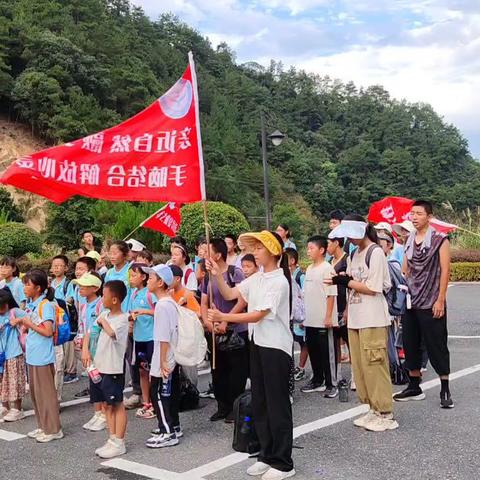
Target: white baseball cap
x,y
383,226
405,225
135,245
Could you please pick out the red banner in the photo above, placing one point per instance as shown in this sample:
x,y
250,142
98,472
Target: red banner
x,y
154,156
166,220
397,209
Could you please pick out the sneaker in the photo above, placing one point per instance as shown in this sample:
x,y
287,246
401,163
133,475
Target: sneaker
x,y
178,431
258,468
381,422
274,474
299,374
3,412
364,419
208,393
162,440
230,418
103,447
83,393
113,448
99,423
445,401
312,386
331,392
87,425
13,415
70,378
218,416
45,438
35,433
146,412
133,402
409,394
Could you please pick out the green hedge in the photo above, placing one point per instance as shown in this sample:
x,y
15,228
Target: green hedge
x,y
16,239
465,272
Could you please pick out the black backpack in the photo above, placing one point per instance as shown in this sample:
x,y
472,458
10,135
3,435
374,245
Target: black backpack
x,y
244,436
189,396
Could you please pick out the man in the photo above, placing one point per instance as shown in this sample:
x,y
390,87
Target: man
x,y
427,268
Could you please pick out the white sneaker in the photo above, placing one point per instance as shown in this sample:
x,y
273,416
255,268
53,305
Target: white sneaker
x,y
87,425
3,412
114,448
103,447
274,474
381,423
162,440
132,402
35,433
99,424
45,438
13,415
364,419
258,468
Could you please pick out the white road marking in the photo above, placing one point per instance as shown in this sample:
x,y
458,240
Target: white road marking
x,y
465,337
234,458
10,436
142,469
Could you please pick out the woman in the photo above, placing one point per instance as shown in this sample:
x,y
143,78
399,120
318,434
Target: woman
x,y
367,277
268,295
231,241
88,244
284,232
181,259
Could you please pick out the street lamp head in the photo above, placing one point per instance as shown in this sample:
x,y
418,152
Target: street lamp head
x,y
276,137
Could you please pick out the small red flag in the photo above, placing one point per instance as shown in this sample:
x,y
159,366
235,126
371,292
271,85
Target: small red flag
x,y
166,220
154,156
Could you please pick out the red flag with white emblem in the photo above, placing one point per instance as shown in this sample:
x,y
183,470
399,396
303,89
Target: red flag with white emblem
x,y
166,220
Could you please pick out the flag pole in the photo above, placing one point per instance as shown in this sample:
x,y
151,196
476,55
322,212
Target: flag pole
x,y
204,190
132,232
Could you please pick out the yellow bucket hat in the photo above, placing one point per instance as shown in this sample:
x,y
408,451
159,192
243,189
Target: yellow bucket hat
x,y
266,238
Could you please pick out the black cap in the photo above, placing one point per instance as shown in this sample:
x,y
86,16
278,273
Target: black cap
x,y
177,271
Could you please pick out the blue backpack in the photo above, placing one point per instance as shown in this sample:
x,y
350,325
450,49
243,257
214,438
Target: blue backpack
x,y
61,327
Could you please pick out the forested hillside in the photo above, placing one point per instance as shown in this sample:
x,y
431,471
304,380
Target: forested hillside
x,y
72,67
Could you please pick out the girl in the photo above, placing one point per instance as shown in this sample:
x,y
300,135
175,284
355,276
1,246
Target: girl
x,y
231,241
12,379
40,323
285,235
268,294
181,259
141,309
367,277
87,244
10,272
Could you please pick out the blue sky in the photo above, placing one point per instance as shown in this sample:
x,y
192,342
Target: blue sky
x,y
420,50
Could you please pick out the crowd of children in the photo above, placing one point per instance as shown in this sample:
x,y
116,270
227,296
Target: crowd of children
x,y
255,302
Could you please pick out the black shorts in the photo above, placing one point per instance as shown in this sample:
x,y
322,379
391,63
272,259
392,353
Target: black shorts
x,y
109,389
299,339
143,354
418,325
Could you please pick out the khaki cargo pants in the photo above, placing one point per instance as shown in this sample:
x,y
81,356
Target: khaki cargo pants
x,y
370,366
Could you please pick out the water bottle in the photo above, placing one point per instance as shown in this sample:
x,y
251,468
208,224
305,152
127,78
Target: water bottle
x,y
166,387
94,374
343,390
246,427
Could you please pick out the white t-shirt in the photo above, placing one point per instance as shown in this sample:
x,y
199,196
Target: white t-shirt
x,y
269,291
316,293
165,329
367,311
110,354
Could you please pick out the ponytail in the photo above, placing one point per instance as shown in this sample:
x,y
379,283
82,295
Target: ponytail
x,y
50,294
286,269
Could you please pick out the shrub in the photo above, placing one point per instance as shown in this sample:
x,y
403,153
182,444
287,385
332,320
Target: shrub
x,y
222,219
16,239
8,208
465,272
468,255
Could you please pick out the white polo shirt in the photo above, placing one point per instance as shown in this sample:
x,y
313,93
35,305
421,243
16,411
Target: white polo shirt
x,y
269,291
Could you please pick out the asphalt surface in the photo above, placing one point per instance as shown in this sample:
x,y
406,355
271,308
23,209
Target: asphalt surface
x,y
431,443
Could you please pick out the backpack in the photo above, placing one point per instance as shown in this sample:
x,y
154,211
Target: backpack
x,y
244,436
150,301
298,303
189,396
61,324
191,345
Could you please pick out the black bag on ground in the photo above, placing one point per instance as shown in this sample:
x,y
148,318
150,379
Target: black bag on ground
x,y
189,396
244,436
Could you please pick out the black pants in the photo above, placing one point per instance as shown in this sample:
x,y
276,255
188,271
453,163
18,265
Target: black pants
x,y
230,375
166,407
321,350
272,411
133,369
340,333
418,325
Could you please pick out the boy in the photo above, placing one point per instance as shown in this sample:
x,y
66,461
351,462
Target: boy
x,y
109,363
145,257
249,265
320,318
164,372
298,328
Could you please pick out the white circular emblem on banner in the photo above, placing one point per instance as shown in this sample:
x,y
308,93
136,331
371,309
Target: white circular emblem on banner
x,y
176,102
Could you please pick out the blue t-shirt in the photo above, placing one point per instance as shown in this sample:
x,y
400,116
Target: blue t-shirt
x,y
9,342
59,288
39,349
143,325
16,287
397,253
122,275
89,312
73,291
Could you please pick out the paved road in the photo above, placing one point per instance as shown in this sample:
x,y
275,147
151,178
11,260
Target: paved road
x,y
431,443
